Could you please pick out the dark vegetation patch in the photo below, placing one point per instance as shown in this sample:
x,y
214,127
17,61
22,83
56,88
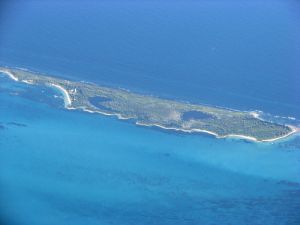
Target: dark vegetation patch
x,y
195,115
97,102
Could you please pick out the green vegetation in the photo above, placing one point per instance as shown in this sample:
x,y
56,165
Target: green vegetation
x,y
149,110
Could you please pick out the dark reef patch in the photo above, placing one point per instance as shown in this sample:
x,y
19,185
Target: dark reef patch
x,y
17,124
292,144
195,115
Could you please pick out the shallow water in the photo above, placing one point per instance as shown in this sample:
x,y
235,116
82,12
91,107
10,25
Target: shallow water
x,y
78,168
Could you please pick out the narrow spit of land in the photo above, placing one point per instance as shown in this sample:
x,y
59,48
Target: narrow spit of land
x,y
152,111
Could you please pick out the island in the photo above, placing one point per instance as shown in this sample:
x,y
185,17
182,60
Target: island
x,y
154,111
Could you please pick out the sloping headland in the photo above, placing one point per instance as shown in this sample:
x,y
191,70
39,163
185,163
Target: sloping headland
x,y
153,111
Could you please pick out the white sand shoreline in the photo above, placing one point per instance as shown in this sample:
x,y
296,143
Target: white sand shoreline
x,y
199,131
9,74
67,98
119,116
294,130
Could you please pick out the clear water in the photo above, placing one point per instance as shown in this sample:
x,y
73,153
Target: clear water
x,y
68,167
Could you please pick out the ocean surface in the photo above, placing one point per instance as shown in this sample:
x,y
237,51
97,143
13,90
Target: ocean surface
x,y
61,166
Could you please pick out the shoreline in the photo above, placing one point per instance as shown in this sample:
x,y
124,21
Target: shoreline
x,y
294,130
68,105
119,116
239,136
9,74
67,98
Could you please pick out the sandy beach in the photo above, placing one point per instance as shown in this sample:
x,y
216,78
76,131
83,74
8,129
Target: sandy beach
x,y
9,74
119,116
67,98
294,130
200,131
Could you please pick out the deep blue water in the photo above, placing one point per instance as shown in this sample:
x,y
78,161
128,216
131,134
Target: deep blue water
x,y
234,54
70,167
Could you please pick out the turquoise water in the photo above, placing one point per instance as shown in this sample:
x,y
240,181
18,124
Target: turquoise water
x,y
60,166
68,167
